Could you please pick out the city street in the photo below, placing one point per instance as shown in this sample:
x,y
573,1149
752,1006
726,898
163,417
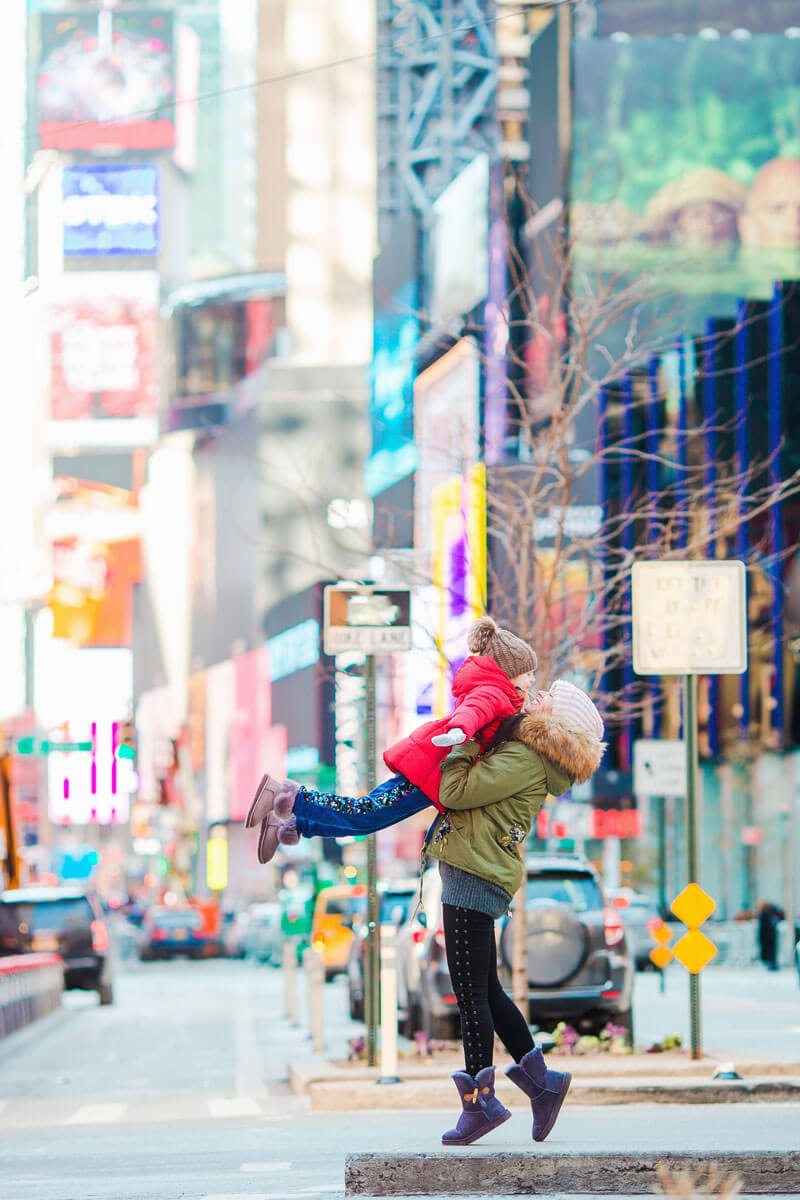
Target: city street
x,y
179,1090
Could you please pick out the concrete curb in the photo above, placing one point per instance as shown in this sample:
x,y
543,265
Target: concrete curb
x,y
306,1072
355,1096
473,1172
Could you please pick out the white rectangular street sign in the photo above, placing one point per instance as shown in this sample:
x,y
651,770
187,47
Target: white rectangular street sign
x,y
659,767
366,620
689,618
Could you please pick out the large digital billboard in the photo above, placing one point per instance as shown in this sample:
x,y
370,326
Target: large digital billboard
x,y
105,80
686,165
103,357
109,210
395,337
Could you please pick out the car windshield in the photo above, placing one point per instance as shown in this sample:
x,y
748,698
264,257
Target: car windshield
x,y
52,915
345,906
580,892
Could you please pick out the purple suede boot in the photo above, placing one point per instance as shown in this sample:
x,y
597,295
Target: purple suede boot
x,y
481,1111
545,1089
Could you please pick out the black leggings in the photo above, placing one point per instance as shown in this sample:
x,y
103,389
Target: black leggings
x,y
484,1006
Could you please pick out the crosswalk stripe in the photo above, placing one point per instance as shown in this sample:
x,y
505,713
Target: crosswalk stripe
x,y
95,1114
256,1167
234,1106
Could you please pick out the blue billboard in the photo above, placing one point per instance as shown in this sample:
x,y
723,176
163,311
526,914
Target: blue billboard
x,y
111,210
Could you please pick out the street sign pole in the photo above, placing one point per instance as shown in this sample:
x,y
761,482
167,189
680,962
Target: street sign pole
x,y
373,923
690,619
692,865
365,619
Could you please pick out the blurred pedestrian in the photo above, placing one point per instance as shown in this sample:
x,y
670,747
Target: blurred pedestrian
x,y
769,918
491,684
491,801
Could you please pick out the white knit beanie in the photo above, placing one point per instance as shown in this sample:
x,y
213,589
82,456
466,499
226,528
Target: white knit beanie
x,y
574,708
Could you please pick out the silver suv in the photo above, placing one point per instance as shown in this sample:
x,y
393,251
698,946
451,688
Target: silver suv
x,y
579,967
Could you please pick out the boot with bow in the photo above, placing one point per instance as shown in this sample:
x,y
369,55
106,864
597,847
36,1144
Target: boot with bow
x,y
545,1089
481,1111
271,793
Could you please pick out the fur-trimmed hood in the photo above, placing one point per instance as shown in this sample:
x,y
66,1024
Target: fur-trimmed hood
x,y
579,754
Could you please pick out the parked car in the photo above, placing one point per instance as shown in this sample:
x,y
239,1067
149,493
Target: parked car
x,y
639,914
172,930
66,921
397,898
337,910
263,939
579,967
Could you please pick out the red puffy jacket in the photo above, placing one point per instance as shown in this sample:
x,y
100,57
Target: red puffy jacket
x,y
484,696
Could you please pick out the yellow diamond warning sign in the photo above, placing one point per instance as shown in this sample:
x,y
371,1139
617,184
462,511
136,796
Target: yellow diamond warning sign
x,y
694,950
693,905
661,955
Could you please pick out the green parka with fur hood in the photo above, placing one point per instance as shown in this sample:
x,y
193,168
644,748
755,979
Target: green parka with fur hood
x,y
491,801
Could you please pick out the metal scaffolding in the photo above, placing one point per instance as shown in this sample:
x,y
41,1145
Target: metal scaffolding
x,y
437,86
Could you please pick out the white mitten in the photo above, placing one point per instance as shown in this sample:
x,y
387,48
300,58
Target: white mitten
x,y
453,737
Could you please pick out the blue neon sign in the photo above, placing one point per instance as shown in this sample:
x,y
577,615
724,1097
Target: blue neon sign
x,y
111,210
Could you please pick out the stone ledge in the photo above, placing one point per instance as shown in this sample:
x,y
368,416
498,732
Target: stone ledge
x,y
472,1172
361,1095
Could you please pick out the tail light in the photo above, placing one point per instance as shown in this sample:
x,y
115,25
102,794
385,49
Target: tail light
x,y
438,937
612,926
99,937
418,936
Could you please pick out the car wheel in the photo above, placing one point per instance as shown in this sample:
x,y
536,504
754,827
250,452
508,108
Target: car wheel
x,y
436,1027
106,993
356,1007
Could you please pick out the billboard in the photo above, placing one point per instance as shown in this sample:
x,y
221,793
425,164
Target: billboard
x,y
105,80
446,427
686,166
91,596
87,695
103,358
458,518
461,242
395,336
111,209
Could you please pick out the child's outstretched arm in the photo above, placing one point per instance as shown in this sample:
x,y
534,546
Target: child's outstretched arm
x,y
482,706
467,783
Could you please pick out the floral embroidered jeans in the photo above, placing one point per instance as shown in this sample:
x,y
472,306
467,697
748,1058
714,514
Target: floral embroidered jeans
x,y
326,814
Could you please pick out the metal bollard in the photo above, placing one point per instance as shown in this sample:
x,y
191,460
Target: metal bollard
x,y
389,1005
315,985
289,965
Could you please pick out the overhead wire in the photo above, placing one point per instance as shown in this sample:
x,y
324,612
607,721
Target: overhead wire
x,y
315,68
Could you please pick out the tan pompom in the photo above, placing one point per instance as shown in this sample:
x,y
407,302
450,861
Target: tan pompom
x,y
481,635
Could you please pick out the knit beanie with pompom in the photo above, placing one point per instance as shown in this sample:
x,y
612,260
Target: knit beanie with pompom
x,y
511,654
575,709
